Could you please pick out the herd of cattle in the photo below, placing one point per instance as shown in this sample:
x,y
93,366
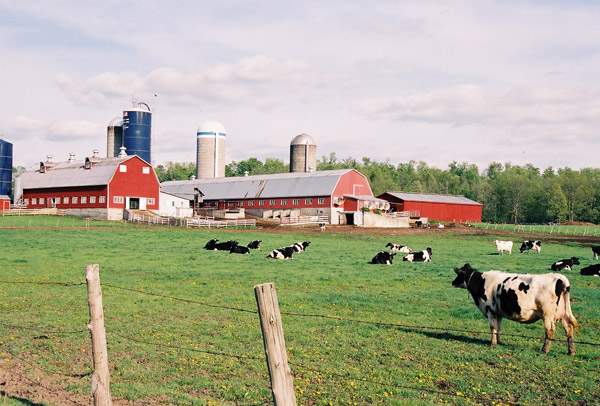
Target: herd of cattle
x,y
525,298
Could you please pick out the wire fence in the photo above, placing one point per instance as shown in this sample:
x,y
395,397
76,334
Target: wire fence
x,y
327,374
555,229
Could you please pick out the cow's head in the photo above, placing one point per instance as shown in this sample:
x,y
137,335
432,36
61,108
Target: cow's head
x,y
462,276
575,260
429,251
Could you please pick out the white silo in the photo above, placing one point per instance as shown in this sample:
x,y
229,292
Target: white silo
x,y
303,154
210,150
114,137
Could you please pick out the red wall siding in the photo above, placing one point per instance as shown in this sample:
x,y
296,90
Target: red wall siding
x,y
60,193
134,183
353,183
445,211
268,206
4,204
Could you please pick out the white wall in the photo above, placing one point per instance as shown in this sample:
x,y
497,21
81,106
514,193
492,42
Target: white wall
x,y
173,206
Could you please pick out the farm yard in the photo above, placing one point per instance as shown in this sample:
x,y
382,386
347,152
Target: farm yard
x,y
182,323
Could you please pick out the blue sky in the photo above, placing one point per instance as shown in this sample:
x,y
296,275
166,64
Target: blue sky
x,y
434,81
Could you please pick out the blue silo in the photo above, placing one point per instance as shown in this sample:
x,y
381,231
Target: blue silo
x,y
6,163
137,129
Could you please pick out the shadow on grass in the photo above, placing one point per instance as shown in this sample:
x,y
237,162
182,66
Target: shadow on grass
x,y
18,401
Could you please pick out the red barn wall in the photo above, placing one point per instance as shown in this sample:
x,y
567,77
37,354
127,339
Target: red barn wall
x,y
134,183
445,211
353,183
60,193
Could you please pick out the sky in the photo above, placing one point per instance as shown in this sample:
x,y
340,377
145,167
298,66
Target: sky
x,y
435,81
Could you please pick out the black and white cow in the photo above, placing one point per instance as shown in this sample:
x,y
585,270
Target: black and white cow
x,y
300,246
530,245
421,256
383,257
224,246
596,252
592,270
282,253
565,264
211,244
520,297
239,249
398,248
322,226
254,244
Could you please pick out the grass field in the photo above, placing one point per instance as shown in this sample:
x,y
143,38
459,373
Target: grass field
x,y
182,327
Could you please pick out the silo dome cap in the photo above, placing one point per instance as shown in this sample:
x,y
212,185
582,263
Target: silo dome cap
x,y
303,139
211,127
116,122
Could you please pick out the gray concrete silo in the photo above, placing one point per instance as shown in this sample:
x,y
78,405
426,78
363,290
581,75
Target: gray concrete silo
x,y
114,137
303,154
210,150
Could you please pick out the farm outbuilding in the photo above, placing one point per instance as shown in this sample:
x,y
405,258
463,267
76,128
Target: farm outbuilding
x,y
435,207
318,193
96,187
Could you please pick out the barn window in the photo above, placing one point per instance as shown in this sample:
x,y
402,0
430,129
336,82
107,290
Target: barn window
x,y
241,203
146,170
26,201
74,200
272,202
92,199
42,200
321,200
117,199
261,202
102,199
296,202
307,201
83,199
251,203
65,200
150,201
284,202
34,200
122,168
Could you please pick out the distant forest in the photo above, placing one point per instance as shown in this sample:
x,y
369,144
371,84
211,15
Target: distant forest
x,y
509,193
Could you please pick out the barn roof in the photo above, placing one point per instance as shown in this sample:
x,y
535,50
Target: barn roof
x,y
73,174
280,185
431,198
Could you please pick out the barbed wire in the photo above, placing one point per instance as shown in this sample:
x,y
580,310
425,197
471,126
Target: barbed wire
x,y
43,283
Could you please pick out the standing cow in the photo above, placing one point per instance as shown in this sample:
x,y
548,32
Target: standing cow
x,y
520,297
502,246
596,252
530,245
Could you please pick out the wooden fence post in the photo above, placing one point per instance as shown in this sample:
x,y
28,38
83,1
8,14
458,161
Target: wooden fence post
x,y
101,375
282,383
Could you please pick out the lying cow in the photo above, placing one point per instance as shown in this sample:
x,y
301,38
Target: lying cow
x,y
592,270
504,246
565,264
300,246
530,245
421,256
254,244
211,244
239,249
596,252
520,297
282,253
398,248
383,257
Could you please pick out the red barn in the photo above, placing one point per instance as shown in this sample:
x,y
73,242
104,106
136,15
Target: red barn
x,y
435,207
96,187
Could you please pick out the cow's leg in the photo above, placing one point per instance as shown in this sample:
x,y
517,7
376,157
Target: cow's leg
x,y
495,328
569,331
549,326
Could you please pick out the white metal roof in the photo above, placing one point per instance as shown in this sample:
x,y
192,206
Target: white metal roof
x,y
72,174
303,139
280,185
432,198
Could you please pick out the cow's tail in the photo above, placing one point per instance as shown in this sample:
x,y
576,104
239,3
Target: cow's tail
x,y
565,300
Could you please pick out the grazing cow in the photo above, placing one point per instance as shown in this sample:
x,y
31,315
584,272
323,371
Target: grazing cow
x,y
530,245
565,264
520,297
211,244
254,244
504,246
282,253
592,270
322,226
383,257
225,246
421,256
239,249
596,252
300,246
398,248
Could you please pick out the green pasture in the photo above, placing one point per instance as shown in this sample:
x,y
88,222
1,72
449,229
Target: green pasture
x,y
182,327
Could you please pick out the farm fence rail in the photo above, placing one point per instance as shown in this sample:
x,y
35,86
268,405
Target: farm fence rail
x,y
556,229
326,374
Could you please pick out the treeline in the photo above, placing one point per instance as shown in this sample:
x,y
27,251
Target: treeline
x,y
509,193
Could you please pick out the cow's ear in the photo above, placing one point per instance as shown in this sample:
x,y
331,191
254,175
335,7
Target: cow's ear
x,y
457,271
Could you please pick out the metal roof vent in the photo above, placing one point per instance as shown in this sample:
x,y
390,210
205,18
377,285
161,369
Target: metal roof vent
x,y
71,157
122,154
48,158
95,153
246,173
